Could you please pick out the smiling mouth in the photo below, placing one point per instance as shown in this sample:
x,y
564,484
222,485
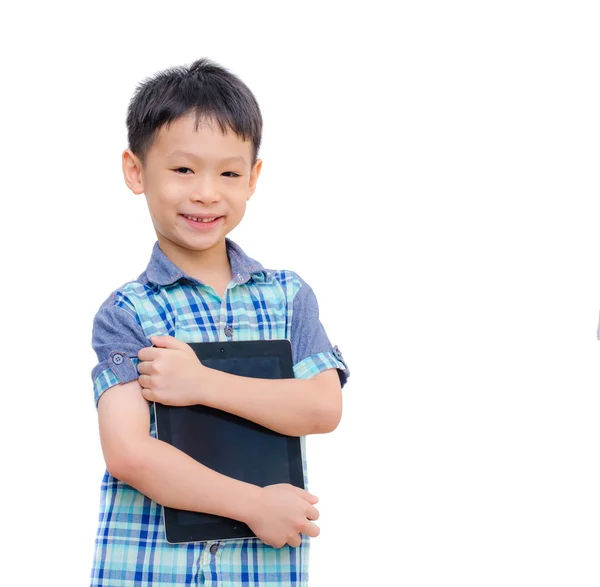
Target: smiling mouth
x,y
203,220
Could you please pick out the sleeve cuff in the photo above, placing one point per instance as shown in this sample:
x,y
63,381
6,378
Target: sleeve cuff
x,y
317,363
118,369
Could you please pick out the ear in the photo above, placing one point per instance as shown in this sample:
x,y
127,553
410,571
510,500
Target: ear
x,y
133,172
254,177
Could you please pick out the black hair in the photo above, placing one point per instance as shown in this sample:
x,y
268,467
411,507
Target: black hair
x,y
203,87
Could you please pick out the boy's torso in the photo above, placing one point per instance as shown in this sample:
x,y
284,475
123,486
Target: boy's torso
x,y
131,549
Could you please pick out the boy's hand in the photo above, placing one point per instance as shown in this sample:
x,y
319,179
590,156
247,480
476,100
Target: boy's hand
x,y
281,513
170,372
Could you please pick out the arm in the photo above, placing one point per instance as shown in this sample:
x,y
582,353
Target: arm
x,y
296,407
171,374
278,514
158,470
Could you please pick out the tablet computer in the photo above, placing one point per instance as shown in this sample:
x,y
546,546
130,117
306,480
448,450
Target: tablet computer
x,y
231,445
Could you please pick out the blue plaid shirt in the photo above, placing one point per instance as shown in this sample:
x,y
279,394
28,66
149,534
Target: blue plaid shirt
x,y
258,304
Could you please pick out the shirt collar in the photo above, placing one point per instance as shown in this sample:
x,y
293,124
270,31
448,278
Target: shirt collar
x,y
162,271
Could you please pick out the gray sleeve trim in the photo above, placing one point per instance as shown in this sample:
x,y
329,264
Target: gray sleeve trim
x,y
308,336
117,338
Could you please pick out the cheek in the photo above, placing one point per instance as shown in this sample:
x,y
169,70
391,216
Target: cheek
x,y
162,202
169,187
167,191
240,200
235,193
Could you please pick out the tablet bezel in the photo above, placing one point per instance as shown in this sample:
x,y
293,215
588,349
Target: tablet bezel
x,y
225,528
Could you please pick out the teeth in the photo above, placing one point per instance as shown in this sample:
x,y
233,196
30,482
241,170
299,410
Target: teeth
x,y
200,219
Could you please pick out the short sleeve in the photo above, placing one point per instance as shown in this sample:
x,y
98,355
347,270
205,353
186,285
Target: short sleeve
x,y
117,337
312,351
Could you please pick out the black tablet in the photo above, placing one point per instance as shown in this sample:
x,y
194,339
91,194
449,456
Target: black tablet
x,y
227,443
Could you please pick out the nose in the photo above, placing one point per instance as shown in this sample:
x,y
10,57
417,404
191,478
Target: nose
x,y
205,191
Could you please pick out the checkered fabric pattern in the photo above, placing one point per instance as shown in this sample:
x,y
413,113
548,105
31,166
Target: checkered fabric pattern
x,y
259,304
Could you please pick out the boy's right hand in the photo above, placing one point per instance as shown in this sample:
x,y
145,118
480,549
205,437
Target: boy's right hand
x,y
280,513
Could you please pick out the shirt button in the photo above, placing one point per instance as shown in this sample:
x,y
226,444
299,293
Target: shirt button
x,y
240,277
337,353
117,359
214,548
228,331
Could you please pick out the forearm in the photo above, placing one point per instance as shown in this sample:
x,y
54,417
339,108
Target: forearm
x,y
296,407
173,479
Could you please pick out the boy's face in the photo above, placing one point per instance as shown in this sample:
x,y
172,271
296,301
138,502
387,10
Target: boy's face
x,y
190,174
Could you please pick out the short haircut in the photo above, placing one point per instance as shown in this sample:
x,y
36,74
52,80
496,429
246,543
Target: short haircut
x,y
204,87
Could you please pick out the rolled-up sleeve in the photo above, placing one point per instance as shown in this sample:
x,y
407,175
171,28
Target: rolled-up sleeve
x,y
117,337
312,351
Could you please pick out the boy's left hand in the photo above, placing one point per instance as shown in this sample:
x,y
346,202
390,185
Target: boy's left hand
x,y
170,372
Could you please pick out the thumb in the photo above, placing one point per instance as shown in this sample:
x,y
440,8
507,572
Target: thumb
x,y
167,342
309,497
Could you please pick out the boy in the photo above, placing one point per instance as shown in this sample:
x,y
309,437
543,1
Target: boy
x,y
194,134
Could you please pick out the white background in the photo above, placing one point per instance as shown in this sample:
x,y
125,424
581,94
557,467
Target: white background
x,y
432,172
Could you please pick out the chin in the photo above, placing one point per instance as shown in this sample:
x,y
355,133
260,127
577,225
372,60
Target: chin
x,y
202,244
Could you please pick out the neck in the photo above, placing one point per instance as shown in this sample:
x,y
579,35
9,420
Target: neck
x,y
198,264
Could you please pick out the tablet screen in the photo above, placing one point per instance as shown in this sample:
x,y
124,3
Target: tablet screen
x,y
226,443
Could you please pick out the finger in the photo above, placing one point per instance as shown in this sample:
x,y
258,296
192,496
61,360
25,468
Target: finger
x,y
309,497
295,540
167,342
311,530
145,381
312,513
144,367
148,353
147,394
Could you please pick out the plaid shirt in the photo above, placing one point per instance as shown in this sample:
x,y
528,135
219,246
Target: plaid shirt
x,y
258,304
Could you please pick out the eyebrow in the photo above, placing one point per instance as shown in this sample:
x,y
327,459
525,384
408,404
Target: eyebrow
x,y
178,153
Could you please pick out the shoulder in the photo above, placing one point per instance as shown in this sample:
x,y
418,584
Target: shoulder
x,y
290,281
126,295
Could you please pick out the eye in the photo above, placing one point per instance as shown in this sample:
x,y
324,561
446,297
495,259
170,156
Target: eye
x,y
185,168
230,174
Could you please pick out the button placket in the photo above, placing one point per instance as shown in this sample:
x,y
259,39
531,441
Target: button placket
x,y
222,334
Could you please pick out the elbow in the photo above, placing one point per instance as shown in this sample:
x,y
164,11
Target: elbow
x,y
329,417
327,402
127,465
